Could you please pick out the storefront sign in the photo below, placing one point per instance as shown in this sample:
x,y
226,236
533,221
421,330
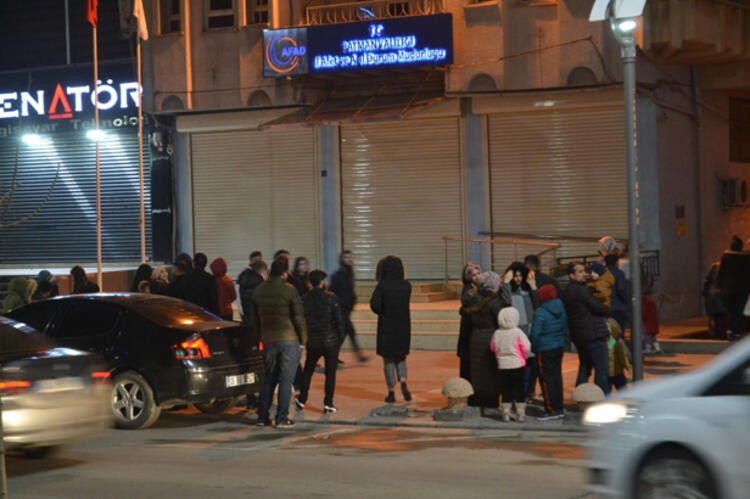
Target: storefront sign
x,y
378,44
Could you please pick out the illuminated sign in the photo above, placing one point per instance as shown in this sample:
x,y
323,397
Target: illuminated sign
x,y
378,44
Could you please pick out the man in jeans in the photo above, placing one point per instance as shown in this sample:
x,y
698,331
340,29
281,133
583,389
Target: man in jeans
x,y
276,311
588,328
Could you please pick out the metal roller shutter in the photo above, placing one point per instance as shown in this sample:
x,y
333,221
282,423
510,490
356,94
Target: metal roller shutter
x,y
255,190
64,226
401,191
559,172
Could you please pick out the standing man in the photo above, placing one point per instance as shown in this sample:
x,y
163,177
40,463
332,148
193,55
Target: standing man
x,y
249,279
587,324
734,281
342,285
276,311
201,286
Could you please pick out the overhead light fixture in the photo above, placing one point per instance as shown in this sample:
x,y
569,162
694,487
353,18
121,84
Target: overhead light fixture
x,y
33,139
96,135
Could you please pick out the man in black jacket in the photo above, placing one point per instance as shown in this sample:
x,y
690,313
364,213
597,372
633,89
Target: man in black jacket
x,y
342,285
325,332
201,286
248,280
587,318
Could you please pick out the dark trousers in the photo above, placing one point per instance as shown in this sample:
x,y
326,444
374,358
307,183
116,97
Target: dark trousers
x,y
619,381
735,308
281,360
511,385
531,377
549,365
350,332
593,355
330,356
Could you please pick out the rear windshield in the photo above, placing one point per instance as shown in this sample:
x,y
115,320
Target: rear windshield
x,y
165,312
18,341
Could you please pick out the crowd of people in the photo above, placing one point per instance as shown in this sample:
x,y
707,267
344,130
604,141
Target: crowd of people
x,y
22,290
514,329
726,289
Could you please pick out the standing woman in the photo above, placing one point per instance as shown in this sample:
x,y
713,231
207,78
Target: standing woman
x,y
299,277
469,276
390,301
225,292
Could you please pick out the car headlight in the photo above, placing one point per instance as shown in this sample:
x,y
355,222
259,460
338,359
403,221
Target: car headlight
x,y
609,412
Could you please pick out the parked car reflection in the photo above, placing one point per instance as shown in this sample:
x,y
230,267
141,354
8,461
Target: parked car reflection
x,y
160,351
51,396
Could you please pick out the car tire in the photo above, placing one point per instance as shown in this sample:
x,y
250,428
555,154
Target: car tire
x,y
133,402
216,406
673,472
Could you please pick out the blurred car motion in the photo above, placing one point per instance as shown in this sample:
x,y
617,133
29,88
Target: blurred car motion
x,y
681,437
160,351
51,396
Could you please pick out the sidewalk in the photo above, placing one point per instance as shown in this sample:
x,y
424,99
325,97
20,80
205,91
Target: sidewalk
x,y
361,389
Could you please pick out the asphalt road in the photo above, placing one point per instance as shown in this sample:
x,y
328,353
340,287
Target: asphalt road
x,y
189,455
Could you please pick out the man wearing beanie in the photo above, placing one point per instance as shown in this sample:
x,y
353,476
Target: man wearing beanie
x,y
548,341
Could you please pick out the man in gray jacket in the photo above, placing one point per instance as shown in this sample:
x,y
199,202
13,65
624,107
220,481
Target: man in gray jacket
x,y
276,312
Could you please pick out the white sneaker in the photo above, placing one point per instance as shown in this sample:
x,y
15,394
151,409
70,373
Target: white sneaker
x,y
657,347
648,349
329,409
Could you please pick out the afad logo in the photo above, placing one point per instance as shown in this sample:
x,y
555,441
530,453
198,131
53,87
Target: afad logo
x,y
283,54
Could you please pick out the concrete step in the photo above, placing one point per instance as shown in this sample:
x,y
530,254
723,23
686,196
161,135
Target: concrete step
x,y
439,341
371,326
432,296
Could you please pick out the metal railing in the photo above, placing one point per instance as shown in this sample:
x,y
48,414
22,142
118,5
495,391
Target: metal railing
x,y
497,254
370,9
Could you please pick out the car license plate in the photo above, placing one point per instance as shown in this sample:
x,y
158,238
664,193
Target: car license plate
x,y
240,379
53,385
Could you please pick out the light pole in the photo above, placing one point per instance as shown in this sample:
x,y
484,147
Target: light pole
x,y
621,15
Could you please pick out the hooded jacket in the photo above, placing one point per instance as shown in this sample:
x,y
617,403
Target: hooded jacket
x,y
225,292
325,324
550,326
20,290
276,312
390,301
510,344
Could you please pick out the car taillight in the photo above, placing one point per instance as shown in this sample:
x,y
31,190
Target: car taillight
x,y
100,376
195,348
14,387
260,346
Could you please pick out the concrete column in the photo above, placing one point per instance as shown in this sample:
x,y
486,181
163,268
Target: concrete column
x,y
329,197
477,182
183,195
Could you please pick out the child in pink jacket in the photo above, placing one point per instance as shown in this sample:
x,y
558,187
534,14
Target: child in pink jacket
x,y
511,347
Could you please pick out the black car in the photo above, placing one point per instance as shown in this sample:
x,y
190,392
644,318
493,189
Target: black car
x,y
51,396
160,351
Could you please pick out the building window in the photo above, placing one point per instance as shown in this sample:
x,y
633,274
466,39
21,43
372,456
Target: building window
x,y
256,12
171,21
739,130
220,14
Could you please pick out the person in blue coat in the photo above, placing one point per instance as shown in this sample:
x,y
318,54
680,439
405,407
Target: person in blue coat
x,y
548,332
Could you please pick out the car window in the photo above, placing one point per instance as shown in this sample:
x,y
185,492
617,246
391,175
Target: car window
x,y
737,382
81,320
17,342
37,315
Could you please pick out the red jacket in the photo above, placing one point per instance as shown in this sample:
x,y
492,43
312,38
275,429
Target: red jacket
x,y
225,291
650,316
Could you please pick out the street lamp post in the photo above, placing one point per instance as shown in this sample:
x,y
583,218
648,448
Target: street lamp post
x,y
621,15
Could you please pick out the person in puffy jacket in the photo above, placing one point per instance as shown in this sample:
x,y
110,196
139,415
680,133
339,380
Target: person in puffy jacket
x,y
325,333
225,292
511,348
548,333
19,294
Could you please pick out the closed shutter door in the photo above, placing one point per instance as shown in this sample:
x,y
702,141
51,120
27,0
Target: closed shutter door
x,y
255,191
401,191
559,172
55,199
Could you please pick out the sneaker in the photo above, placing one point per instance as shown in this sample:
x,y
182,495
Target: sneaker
x,y
340,362
521,418
560,415
329,409
262,423
648,349
289,423
547,416
657,347
391,398
363,359
506,418
299,405
405,392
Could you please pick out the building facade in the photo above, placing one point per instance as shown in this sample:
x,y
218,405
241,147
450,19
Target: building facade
x,y
378,127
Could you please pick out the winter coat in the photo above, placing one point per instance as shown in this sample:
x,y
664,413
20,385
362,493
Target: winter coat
x,y
178,287
620,292
325,324
300,282
342,285
85,287
650,316
602,287
544,279
19,293
734,273
464,328
585,314
509,344
526,298
225,292
390,301
276,312
712,292
618,357
201,290
550,326
248,280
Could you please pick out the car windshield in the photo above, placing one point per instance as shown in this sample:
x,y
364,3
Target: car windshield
x,y
18,340
174,312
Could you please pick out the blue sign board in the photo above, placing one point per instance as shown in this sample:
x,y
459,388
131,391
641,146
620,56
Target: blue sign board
x,y
377,44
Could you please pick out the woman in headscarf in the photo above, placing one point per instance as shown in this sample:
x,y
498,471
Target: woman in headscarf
x,y
469,277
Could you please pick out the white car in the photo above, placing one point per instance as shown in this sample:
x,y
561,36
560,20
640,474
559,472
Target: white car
x,y
685,436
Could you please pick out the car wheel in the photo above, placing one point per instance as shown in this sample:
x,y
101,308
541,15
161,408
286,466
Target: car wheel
x,y
216,406
673,473
133,402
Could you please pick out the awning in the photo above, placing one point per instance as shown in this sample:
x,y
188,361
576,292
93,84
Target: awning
x,y
357,110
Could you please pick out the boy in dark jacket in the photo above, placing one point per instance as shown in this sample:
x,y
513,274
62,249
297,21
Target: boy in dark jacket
x,y
548,341
325,333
